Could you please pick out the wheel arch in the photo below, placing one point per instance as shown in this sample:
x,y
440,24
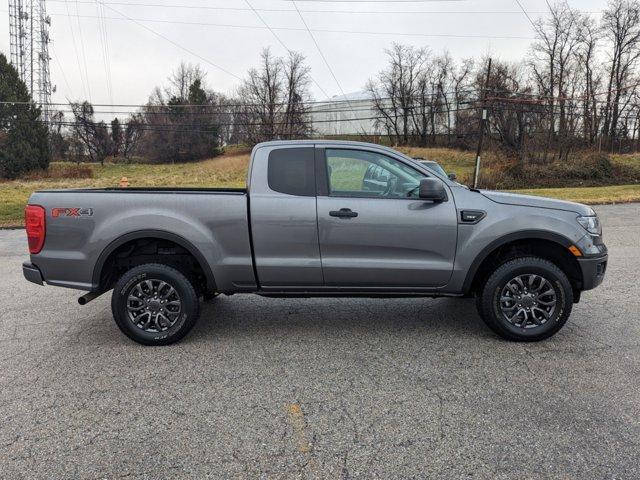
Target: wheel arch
x,y
558,251
151,234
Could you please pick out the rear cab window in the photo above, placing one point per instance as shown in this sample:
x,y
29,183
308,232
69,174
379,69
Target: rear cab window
x,y
292,171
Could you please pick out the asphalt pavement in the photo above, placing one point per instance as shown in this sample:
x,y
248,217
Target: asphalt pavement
x,y
322,388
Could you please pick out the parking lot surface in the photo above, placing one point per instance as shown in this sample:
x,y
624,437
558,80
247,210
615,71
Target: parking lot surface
x,y
321,388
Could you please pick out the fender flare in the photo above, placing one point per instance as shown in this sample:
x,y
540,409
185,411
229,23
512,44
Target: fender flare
x,y
510,237
161,234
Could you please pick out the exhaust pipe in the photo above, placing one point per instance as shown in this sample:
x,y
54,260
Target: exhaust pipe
x,y
87,297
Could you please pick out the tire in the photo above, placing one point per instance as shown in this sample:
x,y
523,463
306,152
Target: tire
x,y
535,313
479,306
154,319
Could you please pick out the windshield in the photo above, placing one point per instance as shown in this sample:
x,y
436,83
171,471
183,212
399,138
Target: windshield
x,y
435,167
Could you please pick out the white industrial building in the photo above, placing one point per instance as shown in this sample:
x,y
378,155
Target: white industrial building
x,y
349,114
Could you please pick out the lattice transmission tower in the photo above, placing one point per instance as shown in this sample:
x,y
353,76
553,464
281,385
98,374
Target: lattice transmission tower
x,y
29,45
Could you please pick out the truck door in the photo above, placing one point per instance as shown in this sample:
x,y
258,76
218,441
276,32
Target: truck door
x,y
383,236
284,227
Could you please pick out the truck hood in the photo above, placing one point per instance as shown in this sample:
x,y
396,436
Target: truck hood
x,y
538,202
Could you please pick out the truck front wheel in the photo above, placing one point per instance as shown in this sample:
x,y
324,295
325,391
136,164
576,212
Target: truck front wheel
x,y
154,304
526,299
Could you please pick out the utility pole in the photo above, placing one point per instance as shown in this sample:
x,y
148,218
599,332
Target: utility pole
x,y
483,120
29,49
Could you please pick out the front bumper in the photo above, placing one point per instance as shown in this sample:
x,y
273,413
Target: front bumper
x,y
32,273
593,270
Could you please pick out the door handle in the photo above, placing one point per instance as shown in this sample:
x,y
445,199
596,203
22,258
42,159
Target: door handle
x,y
343,213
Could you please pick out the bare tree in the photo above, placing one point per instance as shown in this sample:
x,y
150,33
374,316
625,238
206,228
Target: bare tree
x,y
462,93
275,98
182,78
591,81
296,114
517,117
554,60
395,91
93,135
58,141
263,91
417,97
621,28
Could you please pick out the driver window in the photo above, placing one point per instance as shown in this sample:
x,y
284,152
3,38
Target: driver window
x,y
358,173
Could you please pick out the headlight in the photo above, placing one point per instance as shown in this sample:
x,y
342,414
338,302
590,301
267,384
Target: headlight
x,y
591,224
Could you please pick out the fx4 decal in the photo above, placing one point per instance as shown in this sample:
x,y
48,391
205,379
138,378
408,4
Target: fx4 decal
x,y
71,212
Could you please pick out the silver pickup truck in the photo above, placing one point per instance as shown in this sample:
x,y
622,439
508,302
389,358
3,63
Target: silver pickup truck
x,y
318,218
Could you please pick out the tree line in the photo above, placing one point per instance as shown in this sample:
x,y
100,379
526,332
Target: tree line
x,y
186,121
578,87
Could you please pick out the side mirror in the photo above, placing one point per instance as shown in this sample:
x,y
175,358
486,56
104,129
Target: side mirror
x,y
452,176
432,189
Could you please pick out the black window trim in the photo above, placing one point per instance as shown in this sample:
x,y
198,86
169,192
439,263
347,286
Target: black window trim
x,y
322,182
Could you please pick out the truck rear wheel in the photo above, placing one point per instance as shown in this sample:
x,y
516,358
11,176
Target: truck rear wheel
x,y
526,299
154,304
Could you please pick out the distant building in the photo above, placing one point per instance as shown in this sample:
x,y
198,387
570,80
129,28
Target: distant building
x,y
349,114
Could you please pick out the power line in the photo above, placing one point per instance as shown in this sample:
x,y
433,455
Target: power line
x,y
508,107
104,40
158,34
329,106
64,76
174,127
568,99
323,11
166,110
535,29
214,128
84,56
163,111
317,30
282,43
75,48
198,105
319,50
170,127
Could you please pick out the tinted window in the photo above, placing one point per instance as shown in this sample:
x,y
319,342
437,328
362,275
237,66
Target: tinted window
x,y
292,171
348,173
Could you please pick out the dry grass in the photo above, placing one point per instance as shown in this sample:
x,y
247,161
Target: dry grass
x,y
60,171
581,169
459,161
590,195
229,170
225,171
628,159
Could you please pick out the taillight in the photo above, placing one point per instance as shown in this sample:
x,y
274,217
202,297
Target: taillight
x,y
34,219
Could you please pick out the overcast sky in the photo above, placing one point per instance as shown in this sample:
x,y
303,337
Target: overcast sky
x,y
215,32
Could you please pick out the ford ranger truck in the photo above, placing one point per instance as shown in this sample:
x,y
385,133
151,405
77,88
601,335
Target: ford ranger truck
x,y
318,218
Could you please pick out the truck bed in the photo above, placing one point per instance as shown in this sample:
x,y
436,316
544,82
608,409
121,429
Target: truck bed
x,y
85,224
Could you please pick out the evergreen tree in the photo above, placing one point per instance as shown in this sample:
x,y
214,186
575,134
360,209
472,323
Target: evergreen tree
x,y
24,143
116,136
203,136
182,120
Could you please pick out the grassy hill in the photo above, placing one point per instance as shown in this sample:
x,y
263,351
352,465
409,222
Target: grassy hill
x,y
230,170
